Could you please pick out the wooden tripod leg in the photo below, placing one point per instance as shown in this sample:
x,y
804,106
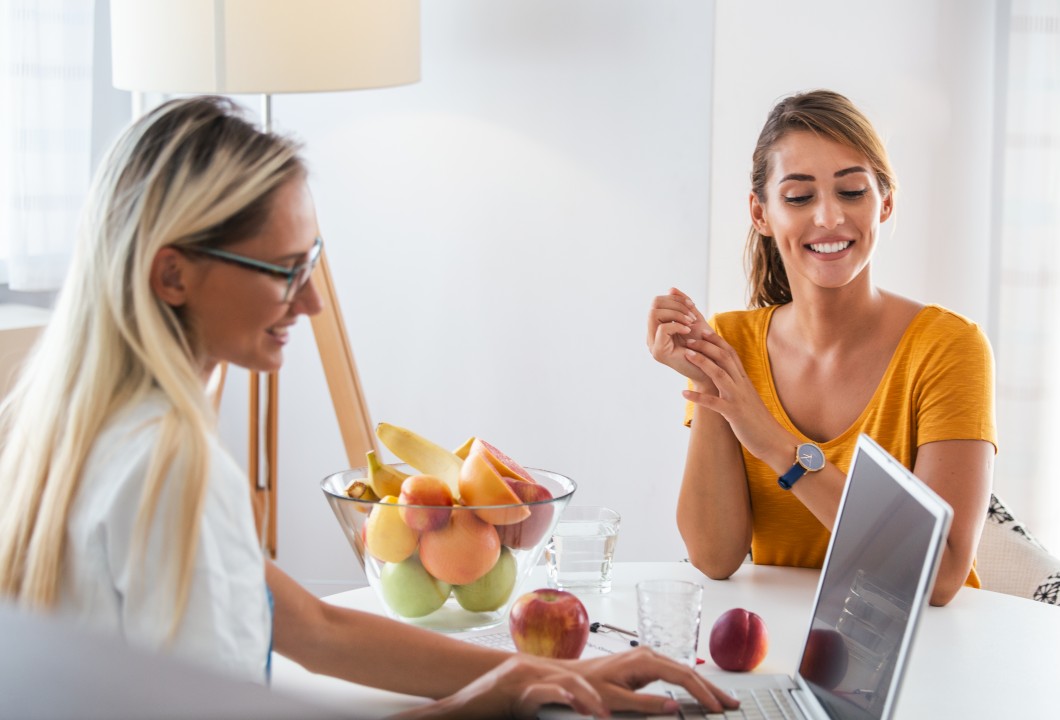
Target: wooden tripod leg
x,y
263,484
351,410
272,410
254,451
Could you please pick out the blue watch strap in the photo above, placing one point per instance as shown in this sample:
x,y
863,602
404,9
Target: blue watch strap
x,y
791,477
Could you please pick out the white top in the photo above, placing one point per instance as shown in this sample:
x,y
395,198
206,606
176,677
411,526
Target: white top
x,y
228,622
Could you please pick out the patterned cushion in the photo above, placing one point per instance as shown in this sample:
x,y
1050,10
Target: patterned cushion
x,y
1010,560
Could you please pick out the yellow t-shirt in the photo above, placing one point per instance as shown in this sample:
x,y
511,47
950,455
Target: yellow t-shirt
x,y
939,385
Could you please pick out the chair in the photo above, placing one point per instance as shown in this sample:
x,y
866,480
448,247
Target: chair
x,y
1010,560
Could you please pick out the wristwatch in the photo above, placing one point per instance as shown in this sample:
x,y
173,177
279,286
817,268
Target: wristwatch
x,y
808,458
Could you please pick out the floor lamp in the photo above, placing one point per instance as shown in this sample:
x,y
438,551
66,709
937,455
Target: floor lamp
x,y
266,47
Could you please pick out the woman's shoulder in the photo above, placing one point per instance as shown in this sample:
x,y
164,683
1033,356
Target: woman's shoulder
x,y
128,437
939,324
946,340
122,454
736,321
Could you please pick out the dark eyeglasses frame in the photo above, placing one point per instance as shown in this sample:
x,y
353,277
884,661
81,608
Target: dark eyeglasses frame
x,y
300,272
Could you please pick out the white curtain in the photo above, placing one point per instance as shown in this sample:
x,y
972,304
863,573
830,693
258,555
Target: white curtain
x,y
1028,348
45,136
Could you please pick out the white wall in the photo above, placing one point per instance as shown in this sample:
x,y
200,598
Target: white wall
x,y
497,230
923,71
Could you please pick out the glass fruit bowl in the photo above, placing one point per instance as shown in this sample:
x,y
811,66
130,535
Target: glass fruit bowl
x,y
446,568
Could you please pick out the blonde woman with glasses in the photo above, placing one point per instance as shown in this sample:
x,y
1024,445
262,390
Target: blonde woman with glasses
x,y
122,510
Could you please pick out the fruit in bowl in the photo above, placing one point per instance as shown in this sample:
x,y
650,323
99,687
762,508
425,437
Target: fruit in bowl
x,y
451,550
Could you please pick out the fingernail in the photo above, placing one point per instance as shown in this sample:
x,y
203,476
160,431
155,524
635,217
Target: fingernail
x,y
691,318
690,355
670,707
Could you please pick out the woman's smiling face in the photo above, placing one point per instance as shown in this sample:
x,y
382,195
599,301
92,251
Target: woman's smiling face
x,y
823,208
240,316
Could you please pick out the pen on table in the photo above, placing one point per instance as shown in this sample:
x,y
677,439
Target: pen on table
x,y
596,626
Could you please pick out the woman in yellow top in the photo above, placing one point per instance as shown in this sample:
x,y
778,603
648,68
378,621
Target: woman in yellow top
x,y
779,393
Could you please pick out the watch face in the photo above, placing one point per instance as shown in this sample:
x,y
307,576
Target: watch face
x,y
811,457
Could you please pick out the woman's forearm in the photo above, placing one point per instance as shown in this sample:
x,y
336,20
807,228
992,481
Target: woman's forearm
x,y
714,507
368,649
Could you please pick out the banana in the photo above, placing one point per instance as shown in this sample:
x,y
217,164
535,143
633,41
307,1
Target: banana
x,y
422,454
360,490
384,479
462,451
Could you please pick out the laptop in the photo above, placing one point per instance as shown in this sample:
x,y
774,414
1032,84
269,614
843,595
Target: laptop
x,y
878,573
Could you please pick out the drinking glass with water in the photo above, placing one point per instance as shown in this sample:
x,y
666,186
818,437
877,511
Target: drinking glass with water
x,y
581,553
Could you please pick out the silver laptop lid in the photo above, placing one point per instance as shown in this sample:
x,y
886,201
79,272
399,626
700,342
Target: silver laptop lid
x,y
881,565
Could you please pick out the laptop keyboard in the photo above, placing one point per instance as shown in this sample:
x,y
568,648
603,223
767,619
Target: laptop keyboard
x,y
762,704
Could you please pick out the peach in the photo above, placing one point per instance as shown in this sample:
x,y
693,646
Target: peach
x,y
426,490
738,640
461,551
386,535
501,462
481,485
528,533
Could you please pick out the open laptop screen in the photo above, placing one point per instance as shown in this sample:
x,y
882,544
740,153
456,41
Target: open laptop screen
x,y
881,563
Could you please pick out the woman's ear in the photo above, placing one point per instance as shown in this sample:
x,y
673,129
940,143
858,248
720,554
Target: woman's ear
x,y
758,216
168,281
886,207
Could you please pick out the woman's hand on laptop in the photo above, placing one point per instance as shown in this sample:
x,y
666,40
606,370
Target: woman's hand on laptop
x,y
517,688
618,677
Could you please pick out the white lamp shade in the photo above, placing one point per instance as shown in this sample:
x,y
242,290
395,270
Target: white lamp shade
x,y
264,46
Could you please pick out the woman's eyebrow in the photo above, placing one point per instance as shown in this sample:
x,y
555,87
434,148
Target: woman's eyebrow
x,y
851,170
802,177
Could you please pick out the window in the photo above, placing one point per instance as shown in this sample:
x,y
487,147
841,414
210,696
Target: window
x,y
46,137
1028,336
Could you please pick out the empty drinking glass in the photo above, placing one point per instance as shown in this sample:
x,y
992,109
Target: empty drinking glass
x,y
668,614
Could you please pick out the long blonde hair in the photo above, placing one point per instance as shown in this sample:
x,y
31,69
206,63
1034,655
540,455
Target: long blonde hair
x,y
832,116
192,172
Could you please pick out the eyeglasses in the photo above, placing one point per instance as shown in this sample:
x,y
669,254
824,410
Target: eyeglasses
x,y
296,277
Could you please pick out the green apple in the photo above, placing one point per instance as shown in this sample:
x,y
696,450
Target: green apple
x,y
410,590
493,589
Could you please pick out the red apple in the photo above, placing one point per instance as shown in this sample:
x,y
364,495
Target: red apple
x,y
549,623
425,490
824,661
738,640
528,533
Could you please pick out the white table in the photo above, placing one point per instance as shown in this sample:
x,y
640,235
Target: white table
x,y
983,655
